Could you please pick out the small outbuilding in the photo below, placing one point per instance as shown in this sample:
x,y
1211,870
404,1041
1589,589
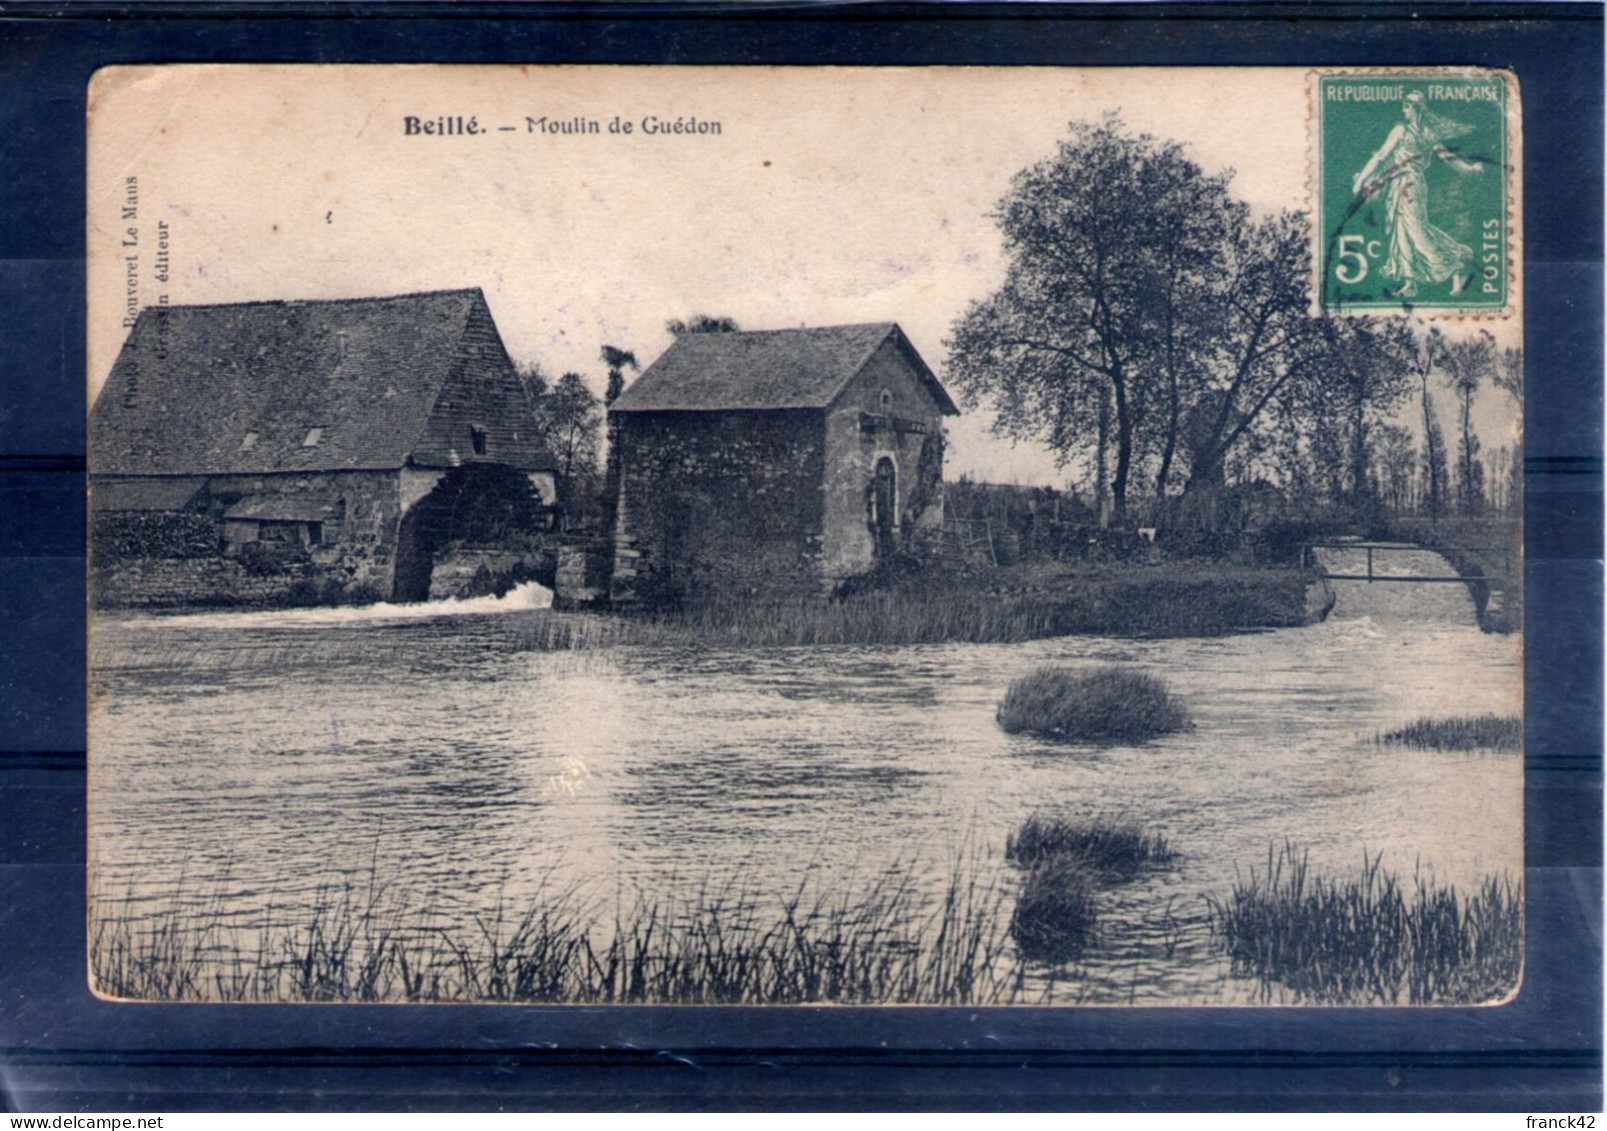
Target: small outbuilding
x,y
776,461
241,451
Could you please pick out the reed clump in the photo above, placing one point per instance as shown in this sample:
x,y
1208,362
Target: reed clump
x,y
1480,732
889,943
1067,862
1368,938
1056,917
1113,848
1105,704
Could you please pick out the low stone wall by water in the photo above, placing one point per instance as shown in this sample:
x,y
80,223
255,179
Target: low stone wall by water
x,y
1319,600
165,583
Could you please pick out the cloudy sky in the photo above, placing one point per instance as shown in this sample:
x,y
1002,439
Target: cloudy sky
x,y
829,195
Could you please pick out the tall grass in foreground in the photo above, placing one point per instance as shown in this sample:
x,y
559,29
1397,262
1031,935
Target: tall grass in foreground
x,y
887,944
1106,704
1480,732
1367,939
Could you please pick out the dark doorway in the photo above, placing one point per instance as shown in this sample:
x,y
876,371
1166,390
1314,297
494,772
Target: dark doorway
x,y
884,504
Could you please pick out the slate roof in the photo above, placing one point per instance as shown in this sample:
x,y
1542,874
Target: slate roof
x,y
146,494
766,369
238,388
299,507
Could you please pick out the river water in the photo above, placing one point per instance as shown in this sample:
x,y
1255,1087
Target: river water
x,y
242,761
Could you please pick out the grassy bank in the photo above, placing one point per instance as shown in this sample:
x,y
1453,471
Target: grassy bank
x,y
1480,732
1368,939
988,607
724,945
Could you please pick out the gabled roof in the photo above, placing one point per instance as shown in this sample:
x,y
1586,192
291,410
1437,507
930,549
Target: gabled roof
x,y
766,369
241,388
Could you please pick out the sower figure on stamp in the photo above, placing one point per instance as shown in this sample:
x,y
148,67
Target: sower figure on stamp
x,y
1419,252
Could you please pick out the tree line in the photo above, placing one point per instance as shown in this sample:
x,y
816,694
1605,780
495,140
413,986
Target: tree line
x,y
1154,332
569,419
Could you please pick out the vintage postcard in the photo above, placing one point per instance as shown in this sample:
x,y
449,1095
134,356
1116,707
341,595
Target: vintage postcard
x,y
632,535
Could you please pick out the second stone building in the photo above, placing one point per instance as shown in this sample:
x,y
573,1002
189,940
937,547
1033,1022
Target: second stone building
x,y
776,461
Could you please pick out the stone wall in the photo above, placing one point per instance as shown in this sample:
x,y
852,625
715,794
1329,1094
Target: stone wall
x,y
722,503
161,583
354,561
854,445
583,573
359,536
154,534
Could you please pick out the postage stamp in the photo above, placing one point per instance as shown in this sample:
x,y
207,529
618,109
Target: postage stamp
x,y
1413,186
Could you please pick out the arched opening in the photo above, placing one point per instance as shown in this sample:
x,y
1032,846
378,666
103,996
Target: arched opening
x,y
884,509
478,504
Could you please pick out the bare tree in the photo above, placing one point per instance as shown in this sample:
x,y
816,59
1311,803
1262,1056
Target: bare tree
x,y
1422,362
1509,379
1496,486
1395,467
1468,364
1508,374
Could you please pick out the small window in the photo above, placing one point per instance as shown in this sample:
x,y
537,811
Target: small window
x,y
477,438
248,442
887,400
313,436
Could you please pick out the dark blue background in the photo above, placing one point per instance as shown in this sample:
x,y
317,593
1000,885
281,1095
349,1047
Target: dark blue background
x,y
60,1049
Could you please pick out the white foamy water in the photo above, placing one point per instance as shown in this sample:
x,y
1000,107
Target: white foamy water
x,y
521,598
240,761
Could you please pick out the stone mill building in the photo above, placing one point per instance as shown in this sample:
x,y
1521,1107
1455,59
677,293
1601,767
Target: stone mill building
x,y
248,452
776,461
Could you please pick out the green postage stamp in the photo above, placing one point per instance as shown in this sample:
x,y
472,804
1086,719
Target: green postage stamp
x,y
1415,175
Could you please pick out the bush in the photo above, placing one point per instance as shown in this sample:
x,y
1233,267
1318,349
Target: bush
x,y
1056,917
1116,850
273,559
1108,704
